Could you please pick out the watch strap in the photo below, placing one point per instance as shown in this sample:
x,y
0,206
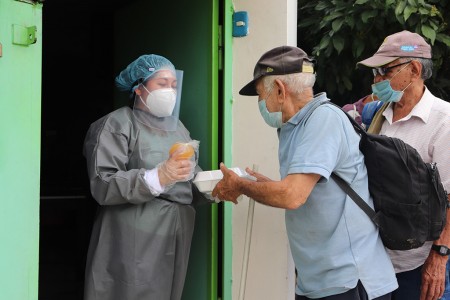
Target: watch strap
x,y
441,249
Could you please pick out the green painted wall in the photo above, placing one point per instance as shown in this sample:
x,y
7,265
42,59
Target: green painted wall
x,y
20,112
226,129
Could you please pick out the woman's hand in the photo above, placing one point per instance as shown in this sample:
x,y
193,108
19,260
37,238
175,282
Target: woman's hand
x,y
175,169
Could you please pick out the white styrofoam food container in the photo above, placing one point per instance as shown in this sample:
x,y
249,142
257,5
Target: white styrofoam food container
x,y
207,180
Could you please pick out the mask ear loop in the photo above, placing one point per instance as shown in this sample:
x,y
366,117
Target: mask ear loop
x,y
142,100
400,70
406,86
145,88
281,105
140,97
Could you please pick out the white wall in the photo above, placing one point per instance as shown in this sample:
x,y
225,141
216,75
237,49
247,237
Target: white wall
x,y
270,273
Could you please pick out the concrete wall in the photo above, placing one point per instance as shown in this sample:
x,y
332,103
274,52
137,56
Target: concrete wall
x,y
270,271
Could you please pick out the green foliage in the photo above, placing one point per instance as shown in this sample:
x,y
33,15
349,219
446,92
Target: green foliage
x,y
339,33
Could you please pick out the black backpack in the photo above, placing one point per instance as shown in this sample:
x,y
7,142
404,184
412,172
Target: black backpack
x,y
409,199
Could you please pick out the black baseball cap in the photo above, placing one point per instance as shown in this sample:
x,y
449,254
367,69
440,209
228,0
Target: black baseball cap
x,y
278,61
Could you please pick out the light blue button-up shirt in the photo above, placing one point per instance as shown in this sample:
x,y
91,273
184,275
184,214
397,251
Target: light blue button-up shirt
x,y
333,242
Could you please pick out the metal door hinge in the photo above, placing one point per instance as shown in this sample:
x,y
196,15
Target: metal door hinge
x,y
23,36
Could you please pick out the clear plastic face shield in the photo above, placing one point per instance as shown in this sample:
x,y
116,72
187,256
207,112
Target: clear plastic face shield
x,y
157,100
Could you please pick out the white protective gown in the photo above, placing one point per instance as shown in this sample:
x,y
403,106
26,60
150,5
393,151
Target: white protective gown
x,y
140,243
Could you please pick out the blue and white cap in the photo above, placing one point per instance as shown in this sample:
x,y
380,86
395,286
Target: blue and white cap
x,y
140,70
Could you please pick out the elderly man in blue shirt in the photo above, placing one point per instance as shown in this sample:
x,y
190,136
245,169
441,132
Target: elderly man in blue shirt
x,y
336,248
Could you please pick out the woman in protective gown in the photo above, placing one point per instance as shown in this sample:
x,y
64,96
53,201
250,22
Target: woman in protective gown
x,y
142,233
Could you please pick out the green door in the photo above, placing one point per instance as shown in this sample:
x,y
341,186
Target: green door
x,y
20,113
188,35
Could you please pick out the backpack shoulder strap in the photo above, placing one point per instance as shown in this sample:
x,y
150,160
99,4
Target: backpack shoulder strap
x,y
343,184
354,196
378,119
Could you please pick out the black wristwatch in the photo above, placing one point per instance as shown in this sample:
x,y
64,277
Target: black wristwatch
x,y
441,249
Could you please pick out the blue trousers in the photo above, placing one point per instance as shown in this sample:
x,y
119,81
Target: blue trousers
x,y
447,285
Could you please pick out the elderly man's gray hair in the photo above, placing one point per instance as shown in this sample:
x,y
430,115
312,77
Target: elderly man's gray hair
x,y
296,82
427,66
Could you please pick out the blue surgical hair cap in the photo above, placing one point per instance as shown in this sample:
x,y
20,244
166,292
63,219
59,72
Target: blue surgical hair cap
x,y
140,70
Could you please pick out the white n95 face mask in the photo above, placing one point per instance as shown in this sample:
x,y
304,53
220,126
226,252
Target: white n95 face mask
x,y
161,102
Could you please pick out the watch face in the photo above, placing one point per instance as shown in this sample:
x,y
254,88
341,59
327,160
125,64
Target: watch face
x,y
442,250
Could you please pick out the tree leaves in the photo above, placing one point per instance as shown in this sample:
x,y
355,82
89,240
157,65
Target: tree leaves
x,y
340,33
409,10
400,7
358,48
337,24
368,14
443,38
429,33
338,43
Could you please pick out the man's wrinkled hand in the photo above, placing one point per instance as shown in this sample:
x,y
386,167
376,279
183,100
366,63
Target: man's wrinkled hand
x,y
433,278
227,188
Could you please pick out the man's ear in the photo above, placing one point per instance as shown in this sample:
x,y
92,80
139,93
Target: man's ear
x,y
416,69
281,90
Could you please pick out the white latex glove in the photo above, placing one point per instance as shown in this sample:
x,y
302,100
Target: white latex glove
x,y
174,169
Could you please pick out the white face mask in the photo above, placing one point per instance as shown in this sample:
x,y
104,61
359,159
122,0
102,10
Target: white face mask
x,y
161,102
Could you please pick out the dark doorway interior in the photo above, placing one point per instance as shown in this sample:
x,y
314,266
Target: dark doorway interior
x,y
79,64
77,89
